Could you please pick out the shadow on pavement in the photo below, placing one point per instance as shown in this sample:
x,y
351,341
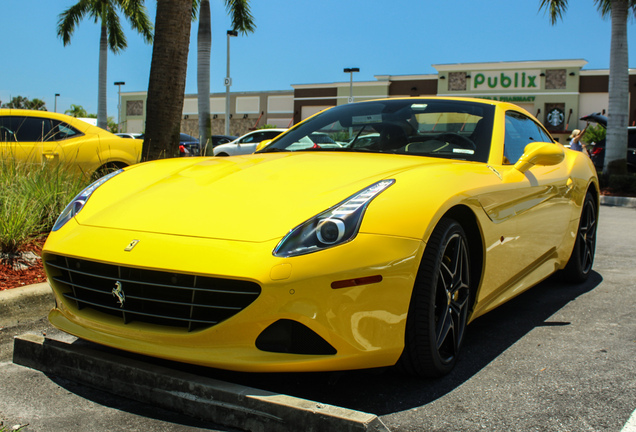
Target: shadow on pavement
x,y
385,391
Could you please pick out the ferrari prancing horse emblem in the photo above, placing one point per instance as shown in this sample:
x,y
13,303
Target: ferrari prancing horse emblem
x,y
131,245
118,292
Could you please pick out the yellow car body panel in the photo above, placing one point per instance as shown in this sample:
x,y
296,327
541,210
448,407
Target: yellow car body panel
x,y
289,291
85,151
525,222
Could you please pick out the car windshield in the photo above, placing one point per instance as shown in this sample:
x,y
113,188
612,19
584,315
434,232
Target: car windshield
x,y
443,128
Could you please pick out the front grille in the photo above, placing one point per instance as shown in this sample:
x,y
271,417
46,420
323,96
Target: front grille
x,y
157,297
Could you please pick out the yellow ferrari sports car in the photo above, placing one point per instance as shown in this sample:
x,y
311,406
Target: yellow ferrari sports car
x,y
46,137
376,250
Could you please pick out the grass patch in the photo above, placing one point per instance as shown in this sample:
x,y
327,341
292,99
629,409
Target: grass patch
x,y
31,198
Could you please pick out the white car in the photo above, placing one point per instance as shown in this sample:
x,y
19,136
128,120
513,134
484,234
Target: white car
x,y
129,135
247,143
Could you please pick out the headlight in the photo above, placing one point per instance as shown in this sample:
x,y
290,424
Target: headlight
x,y
334,226
80,200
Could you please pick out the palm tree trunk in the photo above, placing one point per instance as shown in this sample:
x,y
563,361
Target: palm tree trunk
x,y
102,112
166,87
204,47
618,109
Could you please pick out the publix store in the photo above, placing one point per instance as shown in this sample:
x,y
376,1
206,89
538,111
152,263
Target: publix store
x,y
557,92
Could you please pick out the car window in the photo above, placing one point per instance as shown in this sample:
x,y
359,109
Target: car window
x,y
61,131
520,131
423,127
25,129
270,135
34,129
247,139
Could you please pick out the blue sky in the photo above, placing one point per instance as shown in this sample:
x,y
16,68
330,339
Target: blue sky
x,y
300,42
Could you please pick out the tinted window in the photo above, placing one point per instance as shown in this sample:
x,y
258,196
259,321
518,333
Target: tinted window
x,y
248,139
270,135
61,131
520,131
34,129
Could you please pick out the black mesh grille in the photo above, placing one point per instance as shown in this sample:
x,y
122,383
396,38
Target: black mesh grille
x,y
163,298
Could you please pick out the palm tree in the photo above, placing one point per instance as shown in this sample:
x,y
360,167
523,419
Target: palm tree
x,y
112,35
242,21
76,111
204,47
617,119
166,85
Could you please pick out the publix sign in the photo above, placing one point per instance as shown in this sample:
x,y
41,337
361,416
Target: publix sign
x,y
508,80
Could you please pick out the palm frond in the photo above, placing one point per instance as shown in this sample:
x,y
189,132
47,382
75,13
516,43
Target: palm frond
x,y
137,15
70,18
555,9
242,19
116,37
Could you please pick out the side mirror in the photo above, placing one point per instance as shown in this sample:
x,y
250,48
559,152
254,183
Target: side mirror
x,y
261,145
540,153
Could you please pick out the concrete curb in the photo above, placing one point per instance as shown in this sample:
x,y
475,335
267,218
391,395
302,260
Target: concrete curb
x,y
212,400
28,303
618,201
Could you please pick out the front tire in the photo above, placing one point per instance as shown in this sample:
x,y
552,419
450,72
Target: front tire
x,y
580,263
438,312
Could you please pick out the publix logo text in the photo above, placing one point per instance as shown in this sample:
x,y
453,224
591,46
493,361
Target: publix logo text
x,y
512,80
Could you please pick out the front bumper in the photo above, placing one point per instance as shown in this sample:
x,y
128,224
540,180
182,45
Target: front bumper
x,y
364,323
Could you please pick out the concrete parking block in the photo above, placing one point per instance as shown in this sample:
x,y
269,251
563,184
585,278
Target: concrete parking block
x,y
205,398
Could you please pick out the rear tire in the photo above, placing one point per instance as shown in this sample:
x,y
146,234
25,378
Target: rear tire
x,y
439,306
580,263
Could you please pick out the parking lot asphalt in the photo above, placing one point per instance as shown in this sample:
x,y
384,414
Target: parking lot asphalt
x,y
557,358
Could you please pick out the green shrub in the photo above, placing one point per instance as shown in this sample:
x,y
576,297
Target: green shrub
x,y
594,134
31,198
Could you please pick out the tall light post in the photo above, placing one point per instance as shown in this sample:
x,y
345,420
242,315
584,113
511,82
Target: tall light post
x,y
119,84
56,96
350,71
228,82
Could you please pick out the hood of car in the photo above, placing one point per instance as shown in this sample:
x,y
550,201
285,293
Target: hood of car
x,y
250,198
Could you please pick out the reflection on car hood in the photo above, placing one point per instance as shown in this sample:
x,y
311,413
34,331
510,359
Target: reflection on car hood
x,y
250,198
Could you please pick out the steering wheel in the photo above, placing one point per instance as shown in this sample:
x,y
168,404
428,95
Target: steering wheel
x,y
460,140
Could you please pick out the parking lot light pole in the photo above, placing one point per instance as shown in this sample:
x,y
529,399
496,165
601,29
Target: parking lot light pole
x,y
56,96
228,82
119,84
350,71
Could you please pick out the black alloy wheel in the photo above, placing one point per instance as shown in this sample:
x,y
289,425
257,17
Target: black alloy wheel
x,y
580,264
438,312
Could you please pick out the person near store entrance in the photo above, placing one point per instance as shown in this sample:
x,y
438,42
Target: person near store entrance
x,y
575,140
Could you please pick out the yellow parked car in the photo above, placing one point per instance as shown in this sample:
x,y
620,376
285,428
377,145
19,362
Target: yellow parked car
x,y
47,137
379,251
